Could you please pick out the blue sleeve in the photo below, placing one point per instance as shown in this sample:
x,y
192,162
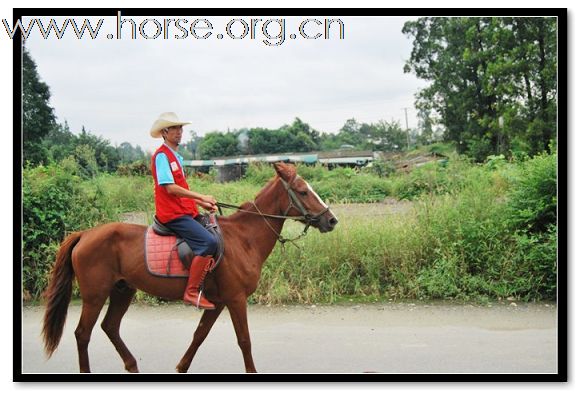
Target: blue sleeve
x,y
164,175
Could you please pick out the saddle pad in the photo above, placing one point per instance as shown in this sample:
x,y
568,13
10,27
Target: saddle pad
x,y
161,256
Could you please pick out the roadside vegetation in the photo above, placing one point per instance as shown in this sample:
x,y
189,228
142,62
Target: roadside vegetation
x,y
469,230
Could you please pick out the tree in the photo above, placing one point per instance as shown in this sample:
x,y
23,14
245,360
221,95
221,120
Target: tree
x,y
296,137
216,144
85,157
350,134
128,154
106,156
426,134
388,136
59,142
298,128
262,140
537,55
483,70
37,115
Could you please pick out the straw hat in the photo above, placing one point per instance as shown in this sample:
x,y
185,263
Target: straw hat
x,y
165,120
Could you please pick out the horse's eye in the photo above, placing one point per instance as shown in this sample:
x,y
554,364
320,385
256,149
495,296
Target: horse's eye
x,y
304,193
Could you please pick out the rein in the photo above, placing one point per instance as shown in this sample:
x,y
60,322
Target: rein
x,y
279,237
230,206
295,202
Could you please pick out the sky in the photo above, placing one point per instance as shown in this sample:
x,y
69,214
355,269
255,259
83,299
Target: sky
x,y
117,88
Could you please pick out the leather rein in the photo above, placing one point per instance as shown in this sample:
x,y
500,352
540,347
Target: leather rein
x,y
293,202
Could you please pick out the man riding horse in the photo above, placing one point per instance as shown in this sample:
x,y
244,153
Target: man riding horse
x,y
109,261
176,205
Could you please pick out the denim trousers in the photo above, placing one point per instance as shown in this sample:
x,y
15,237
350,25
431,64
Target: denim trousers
x,y
201,242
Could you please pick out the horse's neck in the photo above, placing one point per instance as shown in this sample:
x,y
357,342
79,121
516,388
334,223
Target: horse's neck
x,y
261,233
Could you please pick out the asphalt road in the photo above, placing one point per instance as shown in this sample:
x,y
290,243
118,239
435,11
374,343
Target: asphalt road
x,y
386,338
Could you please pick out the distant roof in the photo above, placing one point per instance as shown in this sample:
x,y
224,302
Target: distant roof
x,y
346,154
198,163
346,160
346,157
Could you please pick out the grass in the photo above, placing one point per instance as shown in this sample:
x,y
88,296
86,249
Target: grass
x,y
463,235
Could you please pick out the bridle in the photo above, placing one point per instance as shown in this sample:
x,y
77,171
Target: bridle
x,y
293,202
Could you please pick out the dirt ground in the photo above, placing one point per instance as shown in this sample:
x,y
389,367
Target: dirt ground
x,y
412,337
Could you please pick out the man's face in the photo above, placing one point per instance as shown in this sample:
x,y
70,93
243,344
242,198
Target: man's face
x,y
173,134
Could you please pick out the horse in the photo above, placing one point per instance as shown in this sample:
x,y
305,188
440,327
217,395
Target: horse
x,y
108,261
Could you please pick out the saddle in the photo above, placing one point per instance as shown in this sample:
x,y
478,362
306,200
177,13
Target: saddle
x,y
168,255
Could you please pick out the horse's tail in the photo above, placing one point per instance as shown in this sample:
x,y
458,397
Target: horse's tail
x,y
58,294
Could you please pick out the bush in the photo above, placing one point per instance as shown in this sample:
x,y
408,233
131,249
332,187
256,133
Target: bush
x,y
536,259
452,246
344,185
53,205
312,172
380,168
259,173
435,178
136,168
533,198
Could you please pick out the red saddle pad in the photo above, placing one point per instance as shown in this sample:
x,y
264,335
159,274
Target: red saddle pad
x,y
161,256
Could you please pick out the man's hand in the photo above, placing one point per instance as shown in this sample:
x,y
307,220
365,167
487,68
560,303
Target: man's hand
x,y
208,202
208,206
208,199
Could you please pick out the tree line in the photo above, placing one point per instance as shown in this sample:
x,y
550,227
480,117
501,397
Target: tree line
x,y
299,136
492,91
492,81
46,140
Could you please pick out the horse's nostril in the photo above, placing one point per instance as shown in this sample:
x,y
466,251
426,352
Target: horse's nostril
x,y
333,221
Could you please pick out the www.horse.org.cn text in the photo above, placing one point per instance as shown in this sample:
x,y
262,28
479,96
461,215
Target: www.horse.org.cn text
x,y
269,31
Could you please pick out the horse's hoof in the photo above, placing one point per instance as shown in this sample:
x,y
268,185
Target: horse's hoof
x,y
131,366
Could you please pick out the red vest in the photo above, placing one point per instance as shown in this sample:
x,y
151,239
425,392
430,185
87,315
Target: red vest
x,y
169,207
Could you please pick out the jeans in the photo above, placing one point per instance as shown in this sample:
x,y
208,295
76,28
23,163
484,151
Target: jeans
x,y
201,242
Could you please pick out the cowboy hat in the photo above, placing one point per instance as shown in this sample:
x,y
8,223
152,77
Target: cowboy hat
x,y
165,120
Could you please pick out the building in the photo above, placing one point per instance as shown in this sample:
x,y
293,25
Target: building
x,y
233,168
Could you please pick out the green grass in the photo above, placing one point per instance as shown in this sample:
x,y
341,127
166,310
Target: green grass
x,y
473,231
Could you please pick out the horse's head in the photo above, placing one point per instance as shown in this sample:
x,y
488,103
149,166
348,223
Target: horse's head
x,y
303,201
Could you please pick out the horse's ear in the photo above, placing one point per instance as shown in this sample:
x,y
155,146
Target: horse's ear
x,y
285,171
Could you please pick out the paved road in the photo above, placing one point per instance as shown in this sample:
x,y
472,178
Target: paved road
x,y
392,337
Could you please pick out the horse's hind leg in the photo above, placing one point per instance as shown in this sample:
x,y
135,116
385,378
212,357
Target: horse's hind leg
x,y
205,324
90,312
119,301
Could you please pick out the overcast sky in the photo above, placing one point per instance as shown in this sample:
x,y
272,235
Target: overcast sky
x,y
117,88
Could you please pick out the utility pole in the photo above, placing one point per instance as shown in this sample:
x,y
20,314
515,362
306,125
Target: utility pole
x,y
407,125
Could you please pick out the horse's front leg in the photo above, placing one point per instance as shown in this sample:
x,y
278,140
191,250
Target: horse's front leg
x,y
208,318
238,312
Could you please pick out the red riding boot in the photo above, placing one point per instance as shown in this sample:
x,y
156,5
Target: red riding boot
x,y
197,271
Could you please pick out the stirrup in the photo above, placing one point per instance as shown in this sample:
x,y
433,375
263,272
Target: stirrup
x,y
198,299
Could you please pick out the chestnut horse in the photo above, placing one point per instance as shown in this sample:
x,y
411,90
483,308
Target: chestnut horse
x,y
109,262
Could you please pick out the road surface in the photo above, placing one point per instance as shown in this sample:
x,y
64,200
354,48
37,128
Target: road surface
x,y
412,337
